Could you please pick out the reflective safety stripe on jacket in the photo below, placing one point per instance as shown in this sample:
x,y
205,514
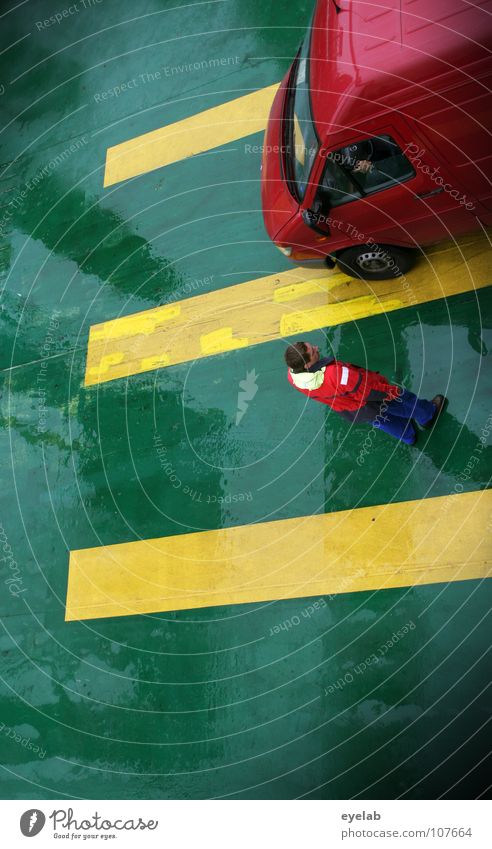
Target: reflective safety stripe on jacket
x,y
343,386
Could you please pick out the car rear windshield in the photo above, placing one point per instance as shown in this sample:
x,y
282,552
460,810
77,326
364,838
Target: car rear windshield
x,y
301,140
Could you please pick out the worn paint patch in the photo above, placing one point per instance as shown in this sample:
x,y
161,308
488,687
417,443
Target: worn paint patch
x,y
220,341
143,322
327,316
259,310
285,294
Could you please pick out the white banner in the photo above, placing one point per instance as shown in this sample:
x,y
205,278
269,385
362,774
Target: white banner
x,y
247,824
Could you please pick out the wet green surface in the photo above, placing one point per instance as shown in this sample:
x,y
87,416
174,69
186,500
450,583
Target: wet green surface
x,y
206,703
209,704
98,253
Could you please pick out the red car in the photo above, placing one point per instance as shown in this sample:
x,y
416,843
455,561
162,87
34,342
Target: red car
x,y
379,137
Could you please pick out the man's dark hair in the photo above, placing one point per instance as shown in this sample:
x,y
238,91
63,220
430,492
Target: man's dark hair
x,y
296,356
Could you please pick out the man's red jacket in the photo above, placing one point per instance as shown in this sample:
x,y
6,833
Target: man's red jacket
x,y
348,389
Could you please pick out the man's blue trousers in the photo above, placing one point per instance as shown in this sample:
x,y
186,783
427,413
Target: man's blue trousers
x,y
396,416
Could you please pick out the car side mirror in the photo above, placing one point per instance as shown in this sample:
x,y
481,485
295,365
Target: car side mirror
x,y
316,220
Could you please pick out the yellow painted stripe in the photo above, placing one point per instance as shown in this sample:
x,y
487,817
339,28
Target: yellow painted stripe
x,y
393,545
291,302
205,130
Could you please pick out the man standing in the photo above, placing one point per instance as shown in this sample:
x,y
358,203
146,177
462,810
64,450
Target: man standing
x,y
360,395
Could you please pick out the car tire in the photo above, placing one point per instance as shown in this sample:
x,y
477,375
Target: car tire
x,y
381,262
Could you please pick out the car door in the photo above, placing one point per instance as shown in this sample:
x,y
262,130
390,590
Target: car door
x,y
406,198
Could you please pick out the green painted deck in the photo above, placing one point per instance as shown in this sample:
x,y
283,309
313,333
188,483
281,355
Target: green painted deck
x,y
271,700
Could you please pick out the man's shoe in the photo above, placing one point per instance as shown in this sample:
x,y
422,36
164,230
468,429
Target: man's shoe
x,y
439,402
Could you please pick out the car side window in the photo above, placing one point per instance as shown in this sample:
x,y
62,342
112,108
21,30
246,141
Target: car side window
x,y
337,186
363,168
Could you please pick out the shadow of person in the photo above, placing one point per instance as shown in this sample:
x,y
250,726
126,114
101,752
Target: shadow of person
x,y
457,450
